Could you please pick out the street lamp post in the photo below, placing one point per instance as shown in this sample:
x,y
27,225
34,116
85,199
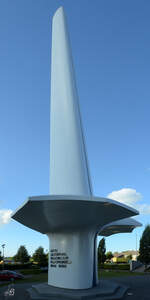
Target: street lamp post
x,y
3,246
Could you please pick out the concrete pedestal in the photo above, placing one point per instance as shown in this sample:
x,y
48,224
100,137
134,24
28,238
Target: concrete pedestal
x,y
105,290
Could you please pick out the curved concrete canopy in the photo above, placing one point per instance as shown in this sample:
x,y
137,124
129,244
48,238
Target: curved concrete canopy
x,y
119,226
67,213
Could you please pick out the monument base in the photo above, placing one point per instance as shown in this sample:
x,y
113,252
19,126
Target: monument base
x,y
106,289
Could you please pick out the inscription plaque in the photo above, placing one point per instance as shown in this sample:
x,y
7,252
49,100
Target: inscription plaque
x,y
59,259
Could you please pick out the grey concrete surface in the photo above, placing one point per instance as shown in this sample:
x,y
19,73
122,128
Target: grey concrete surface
x,y
106,289
139,288
20,292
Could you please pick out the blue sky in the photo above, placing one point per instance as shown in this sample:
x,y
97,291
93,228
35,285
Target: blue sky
x,y
111,45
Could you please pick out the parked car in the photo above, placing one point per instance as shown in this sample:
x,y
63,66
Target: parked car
x,y
8,275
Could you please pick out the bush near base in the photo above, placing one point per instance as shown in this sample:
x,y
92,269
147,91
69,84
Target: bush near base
x,y
16,266
115,267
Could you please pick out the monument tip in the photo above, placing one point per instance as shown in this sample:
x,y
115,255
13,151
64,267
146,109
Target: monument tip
x,y
59,11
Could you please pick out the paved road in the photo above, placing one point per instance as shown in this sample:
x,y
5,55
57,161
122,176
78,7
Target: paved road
x,y
139,288
20,292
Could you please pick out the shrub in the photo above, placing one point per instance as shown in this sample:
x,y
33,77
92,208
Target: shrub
x,y
16,266
115,266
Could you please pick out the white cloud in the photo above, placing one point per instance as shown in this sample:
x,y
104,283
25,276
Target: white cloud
x,y
5,216
130,197
144,209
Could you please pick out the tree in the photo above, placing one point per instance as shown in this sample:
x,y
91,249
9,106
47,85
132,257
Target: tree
x,y
109,255
101,251
144,250
129,257
40,257
1,257
22,255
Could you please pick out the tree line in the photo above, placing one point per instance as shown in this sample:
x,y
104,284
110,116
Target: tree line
x,y
39,256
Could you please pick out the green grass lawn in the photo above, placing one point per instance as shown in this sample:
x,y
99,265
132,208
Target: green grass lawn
x,y
43,277
109,274
102,274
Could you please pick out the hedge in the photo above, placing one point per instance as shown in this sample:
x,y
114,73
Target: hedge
x,y
114,266
31,266
15,266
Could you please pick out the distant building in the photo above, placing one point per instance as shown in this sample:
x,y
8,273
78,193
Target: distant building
x,y
7,262
123,256
118,257
134,254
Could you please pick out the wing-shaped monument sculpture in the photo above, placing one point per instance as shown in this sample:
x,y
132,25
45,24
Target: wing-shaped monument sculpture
x,y
120,226
70,216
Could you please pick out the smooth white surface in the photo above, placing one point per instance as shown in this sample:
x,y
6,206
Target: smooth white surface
x,y
119,226
68,160
61,213
78,271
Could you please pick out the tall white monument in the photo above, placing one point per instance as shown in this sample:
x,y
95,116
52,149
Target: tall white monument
x,y
70,216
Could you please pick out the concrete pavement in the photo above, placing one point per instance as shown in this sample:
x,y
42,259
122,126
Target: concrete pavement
x,y
139,288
